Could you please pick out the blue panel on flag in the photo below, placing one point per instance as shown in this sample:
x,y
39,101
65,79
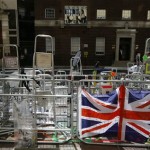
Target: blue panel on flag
x,y
132,135
88,123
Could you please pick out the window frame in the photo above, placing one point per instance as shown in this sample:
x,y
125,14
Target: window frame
x,y
48,45
148,15
100,49
75,15
49,16
101,15
126,14
75,45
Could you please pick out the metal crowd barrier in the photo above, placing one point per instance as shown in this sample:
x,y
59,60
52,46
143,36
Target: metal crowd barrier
x,y
31,114
29,117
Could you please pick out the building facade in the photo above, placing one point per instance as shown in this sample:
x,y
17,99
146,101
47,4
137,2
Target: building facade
x,y
9,22
9,33
106,31
17,27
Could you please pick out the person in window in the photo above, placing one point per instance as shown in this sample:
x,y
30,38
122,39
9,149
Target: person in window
x,y
78,18
81,17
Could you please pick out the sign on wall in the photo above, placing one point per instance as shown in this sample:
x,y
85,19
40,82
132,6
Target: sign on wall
x,y
75,14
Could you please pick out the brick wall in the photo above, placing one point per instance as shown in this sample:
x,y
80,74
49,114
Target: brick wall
x,y
88,34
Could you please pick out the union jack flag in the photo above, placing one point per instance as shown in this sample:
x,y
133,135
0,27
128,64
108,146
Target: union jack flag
x,y
123,114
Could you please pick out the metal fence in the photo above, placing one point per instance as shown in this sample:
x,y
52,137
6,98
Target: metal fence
x,y
42,110
37,115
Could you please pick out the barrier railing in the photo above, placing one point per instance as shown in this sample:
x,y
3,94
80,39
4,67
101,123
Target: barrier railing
x,y
35,116
38,116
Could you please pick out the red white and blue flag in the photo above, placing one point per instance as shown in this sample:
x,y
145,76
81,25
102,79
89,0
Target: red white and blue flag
x,y
123,114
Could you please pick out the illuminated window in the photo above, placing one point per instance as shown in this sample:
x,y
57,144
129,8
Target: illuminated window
x,y
49,44
148,15
75,14
49,13
75,45
100,46
101,14
126,14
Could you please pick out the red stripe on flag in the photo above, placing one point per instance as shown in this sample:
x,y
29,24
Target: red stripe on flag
x,y
144,105
140,128
96,128
130,114
104,116
121,100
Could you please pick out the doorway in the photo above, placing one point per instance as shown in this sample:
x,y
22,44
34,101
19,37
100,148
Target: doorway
x,y
124,49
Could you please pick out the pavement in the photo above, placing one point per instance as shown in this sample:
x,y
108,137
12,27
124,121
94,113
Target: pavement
x,y
73,146
67,146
